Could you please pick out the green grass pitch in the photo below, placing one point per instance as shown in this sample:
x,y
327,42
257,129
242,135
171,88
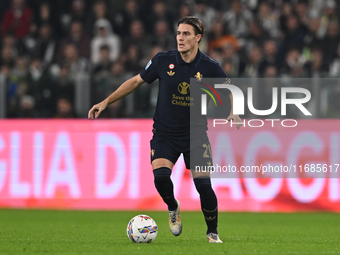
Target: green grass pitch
x,y
104,232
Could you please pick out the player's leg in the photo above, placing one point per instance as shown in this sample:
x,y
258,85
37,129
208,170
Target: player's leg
x,y
208,203
163,158
162,170
200,155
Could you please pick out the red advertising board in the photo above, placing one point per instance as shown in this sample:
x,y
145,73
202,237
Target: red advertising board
x,y
105,164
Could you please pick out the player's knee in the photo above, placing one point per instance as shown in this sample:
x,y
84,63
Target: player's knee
x,y
161,174
203,185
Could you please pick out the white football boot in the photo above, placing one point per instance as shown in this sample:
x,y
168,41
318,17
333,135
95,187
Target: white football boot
x,y
175,223
213,238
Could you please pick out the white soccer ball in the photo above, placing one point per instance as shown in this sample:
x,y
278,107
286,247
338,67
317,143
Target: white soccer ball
x,y
142,229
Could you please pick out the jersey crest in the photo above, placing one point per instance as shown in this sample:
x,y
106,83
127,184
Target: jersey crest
x,y
199,76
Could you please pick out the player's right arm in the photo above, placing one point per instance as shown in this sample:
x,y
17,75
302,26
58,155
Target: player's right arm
x,y
123,90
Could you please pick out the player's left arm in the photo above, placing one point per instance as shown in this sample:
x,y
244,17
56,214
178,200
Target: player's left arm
x,y
233,116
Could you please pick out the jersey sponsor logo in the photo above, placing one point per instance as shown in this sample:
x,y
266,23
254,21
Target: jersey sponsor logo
x,y
199,76
171,66
171,73
147,66
152,153
184,88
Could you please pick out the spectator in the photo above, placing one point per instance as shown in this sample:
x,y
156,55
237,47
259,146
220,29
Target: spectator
x,y
27,107
313,37
229,55
104,64
5,71
20,70
269,56
295,64
251,67
79,38
42,88
7,57
316,67
15,92
330,12
133,59
256,37
267,20
138,37
45,15
64,108
184,11
301,9
45,45
219,38
9,41
237,20
29,41
229,69
76,64
101,75
331,42
162,37
205,13
159,13
17,19
126,17
270,72
295,33
286,11
104,36
122,107
294,37
17,46
334,68
79,11
65,84
99,11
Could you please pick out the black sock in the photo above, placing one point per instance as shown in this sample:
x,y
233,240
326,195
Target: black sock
x,y
208,202
165,186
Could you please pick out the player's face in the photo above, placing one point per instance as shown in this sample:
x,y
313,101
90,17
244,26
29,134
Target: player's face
x,y
186,38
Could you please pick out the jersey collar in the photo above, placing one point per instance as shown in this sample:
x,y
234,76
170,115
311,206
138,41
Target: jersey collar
x,y
193,63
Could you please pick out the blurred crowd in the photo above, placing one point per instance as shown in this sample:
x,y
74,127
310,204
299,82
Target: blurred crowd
x,y
53,51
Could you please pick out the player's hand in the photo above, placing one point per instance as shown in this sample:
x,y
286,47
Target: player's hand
x,y
96,110
236,119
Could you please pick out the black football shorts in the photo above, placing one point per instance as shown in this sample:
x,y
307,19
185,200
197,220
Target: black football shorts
x,y
166,146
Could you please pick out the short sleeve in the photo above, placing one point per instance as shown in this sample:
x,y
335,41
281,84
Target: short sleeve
x,y
219,73
150,73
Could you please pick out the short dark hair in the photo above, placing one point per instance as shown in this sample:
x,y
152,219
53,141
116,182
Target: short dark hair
x,y
193,21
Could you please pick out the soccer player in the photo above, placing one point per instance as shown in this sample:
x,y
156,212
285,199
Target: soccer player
x,y
171,129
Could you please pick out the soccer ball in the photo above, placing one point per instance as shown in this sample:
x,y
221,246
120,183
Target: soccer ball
x,y
142,229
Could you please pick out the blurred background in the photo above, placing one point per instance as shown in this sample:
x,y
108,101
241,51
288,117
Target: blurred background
x,y
59,57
